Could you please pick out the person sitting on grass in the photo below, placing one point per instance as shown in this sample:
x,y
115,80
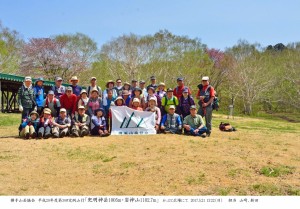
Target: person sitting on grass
x,y
45,125
61,124
29,126
80,123
153,108
171,122
193,124
98,127
136,104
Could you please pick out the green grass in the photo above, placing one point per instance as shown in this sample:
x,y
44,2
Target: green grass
x,y
264,124
267,189
196,180
88,155
12,119
224,191
276,171
126,165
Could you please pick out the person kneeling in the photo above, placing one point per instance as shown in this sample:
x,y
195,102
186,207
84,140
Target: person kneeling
x,y
80,123
171,122
193,124
99,123
61,124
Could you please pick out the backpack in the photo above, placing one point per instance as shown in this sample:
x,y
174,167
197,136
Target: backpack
x,y
89,89
215,102
166,101
226,127
54,101
189,100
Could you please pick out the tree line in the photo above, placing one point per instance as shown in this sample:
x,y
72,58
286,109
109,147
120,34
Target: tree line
x,y
252,77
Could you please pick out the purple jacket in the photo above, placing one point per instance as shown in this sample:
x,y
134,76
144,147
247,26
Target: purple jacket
x,y
184,105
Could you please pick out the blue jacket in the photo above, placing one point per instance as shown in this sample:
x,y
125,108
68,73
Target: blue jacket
x,y
39,95
166,120
76,90
29,122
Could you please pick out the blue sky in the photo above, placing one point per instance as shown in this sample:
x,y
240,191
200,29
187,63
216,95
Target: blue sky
x,y
219,24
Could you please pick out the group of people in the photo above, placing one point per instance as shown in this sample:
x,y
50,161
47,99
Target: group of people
x,y
78,111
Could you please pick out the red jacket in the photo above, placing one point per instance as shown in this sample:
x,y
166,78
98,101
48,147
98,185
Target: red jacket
x,y
179,89
69,103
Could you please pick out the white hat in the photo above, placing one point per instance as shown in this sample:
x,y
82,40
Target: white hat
x,y
205,78
81,107
172,107
27,78
136,100
153,99
83,91
74,78
62,110
93,78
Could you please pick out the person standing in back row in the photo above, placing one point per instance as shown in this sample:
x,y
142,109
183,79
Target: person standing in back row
x,y
177,92
206,95
75,87
153,83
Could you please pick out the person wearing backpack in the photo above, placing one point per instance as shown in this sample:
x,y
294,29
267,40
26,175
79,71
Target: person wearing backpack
x,y
180,88
93,86
185,102
52,103
206,95
119,87
168,100
26,98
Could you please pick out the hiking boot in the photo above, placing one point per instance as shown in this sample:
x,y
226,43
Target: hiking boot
x,y
62,134
203,135
75,134
208,133
84,133
33,135
47,136
27,135
55,136
40,135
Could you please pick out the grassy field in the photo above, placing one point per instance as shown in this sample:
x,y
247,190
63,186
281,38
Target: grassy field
x,y
261,158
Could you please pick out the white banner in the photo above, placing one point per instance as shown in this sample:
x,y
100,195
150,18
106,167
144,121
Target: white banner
x,y
126,121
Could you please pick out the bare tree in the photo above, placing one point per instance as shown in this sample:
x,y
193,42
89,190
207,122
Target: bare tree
x,y
50,58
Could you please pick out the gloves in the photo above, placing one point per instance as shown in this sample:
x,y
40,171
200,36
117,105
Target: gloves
x,y
35,108
20,108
